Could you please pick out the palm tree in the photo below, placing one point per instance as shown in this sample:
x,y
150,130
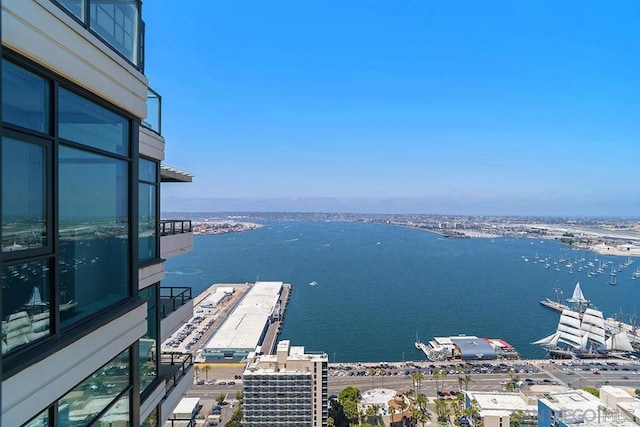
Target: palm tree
x,y
421,403
417,377
198,368
473,411
391,410
436,375
444,377
206,368
466,380
442,410
509,387
403,405
515,418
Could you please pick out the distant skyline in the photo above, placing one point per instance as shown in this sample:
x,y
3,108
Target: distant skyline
x,y
400,107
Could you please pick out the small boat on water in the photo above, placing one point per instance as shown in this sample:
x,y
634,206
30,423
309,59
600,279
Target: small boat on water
x,y
314,283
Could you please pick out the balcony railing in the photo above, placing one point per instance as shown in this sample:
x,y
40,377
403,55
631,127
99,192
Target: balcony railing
x,y
173,366
174,226
154,112
172,298
117,22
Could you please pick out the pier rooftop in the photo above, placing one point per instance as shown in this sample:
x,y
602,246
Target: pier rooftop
x,y
245,328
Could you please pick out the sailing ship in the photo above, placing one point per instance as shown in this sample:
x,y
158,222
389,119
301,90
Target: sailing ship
x,y
578,334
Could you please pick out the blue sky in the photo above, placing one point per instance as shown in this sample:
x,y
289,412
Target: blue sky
x,y
493,107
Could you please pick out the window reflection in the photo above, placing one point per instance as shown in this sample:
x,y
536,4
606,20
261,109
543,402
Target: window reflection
x,y
147,221
80,405
25,98
25,304
24,198
41,420
148,216
94,231
151,420
116,21
148,353
74,6
117,415
84,122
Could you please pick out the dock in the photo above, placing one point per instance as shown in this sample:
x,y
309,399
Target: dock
x,y
206,320
556,306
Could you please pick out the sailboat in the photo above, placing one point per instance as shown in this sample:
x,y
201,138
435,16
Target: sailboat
x,y
612,277
578,298
619,343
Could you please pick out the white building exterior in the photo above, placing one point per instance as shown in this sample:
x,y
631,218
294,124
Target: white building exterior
x,y
288,389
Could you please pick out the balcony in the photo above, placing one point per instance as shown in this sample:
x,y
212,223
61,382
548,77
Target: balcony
x,y
154,112
118,23
177,371
176,308
176,238
174,226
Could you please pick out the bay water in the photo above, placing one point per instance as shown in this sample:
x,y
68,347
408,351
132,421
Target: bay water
x,y
363,291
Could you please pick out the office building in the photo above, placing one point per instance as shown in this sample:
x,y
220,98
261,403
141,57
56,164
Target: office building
x,y
83,248
578,408
496,407
285,389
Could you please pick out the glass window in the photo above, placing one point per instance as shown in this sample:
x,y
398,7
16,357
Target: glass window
x,y
25,304
117,415
147,171
147,344
24,201
25,98
93,233
76,7
41,420
116,21
147,221
90,397
84,122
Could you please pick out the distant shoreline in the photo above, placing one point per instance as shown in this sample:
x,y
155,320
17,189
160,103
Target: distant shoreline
x,y
222,227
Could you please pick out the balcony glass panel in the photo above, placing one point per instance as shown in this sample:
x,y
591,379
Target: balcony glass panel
x,y
25,98
25,304
154,111
116,21
94,233
24,201
80,405
84,122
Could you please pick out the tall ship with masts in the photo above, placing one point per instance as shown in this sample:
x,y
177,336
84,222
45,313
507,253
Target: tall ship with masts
x,y
582,332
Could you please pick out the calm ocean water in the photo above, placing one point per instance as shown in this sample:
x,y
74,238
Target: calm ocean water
x,y
379,285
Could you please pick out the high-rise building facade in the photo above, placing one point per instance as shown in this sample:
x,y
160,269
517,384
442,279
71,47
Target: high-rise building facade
x,y
83,247
285,389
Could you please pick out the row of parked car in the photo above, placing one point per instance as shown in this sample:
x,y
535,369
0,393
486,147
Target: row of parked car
x,y
186,331
427,370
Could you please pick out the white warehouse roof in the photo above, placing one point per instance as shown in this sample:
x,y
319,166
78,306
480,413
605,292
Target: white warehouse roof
x,y
244,326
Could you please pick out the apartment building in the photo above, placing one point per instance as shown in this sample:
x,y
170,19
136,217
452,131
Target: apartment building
x,y
285,389
83,248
